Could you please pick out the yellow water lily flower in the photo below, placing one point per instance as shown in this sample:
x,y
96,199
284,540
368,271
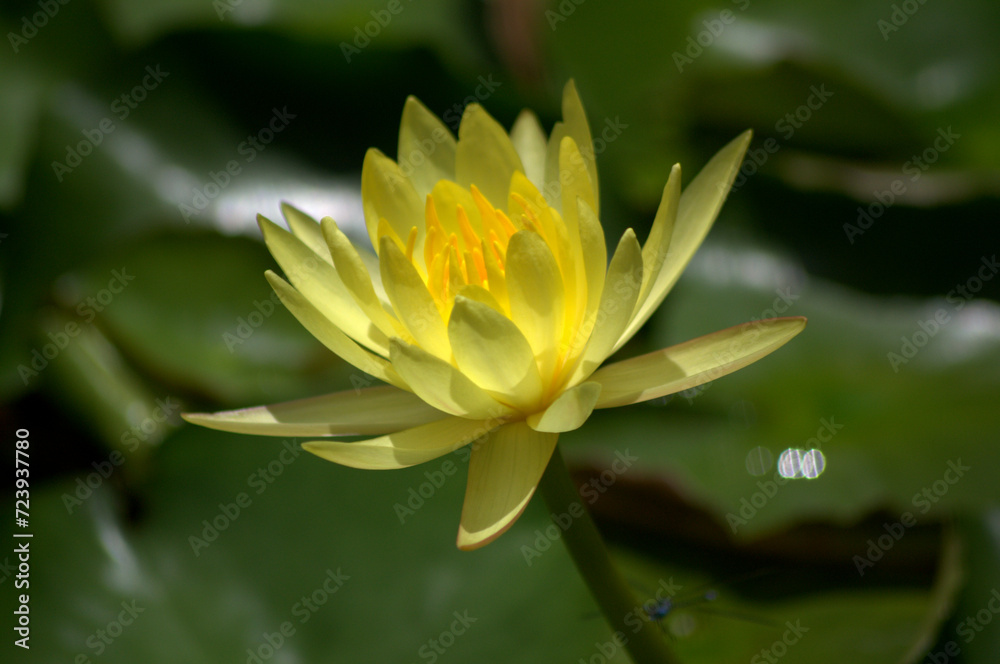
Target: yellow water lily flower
x,y
491,304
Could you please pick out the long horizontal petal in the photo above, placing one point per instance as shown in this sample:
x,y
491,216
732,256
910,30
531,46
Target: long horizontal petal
x,y
368,412
697,209
404,448
504,470
693,362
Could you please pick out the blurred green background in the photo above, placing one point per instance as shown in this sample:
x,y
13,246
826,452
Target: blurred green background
x,y
139,140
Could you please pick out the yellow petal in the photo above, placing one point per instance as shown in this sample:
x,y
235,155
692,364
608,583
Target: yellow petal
x,y
621,289
535,289
306,229
412,301
493,353
365,412
426,148
569,411
529,142
654,252
576,188
404,448
485,156
355,276
443,386
595,265
388,194
698,207
504,470
575,126
319,283
330,335
693,362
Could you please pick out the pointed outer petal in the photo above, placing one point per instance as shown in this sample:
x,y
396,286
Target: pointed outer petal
x,y
693,362
529,142
319,283
576,186
447,195
330,336
442,385
388,194
412,301
493,353
368,412
535,288
404,448
698,207
574,178
621,289
569,411
574,125
306,229
595,260
426,147
504,471
485,156
358,281
654,252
